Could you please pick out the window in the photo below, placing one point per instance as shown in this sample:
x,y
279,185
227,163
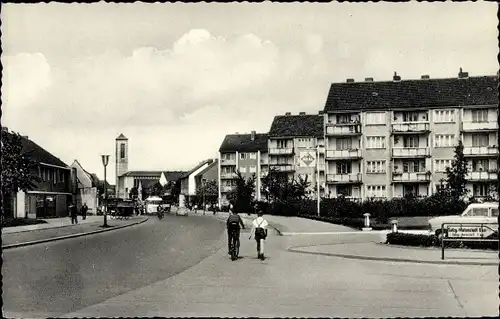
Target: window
x,y
494,212
479,211
410,190
243,169
344,167
253,155
375,191
54,176
479,190
345,190
410,117
375,167
410,141
375,118
343,119
304,142
444,116
282,160
444,140
122,151
252,169
413,166
243,156
442,164
375,142
479,140
228,156
480,165
480,115
344,144
282,143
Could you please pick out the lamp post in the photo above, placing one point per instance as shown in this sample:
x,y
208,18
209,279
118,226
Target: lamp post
x,y
105,160
203,181
317,180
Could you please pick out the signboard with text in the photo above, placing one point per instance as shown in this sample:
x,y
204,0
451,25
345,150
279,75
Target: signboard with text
x,y
469,231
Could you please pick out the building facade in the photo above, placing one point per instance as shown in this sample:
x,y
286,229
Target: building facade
x,y
392,138
87,188
297,148
246,153
190,182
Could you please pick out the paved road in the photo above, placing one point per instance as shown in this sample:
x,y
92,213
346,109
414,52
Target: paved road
x,y
56,278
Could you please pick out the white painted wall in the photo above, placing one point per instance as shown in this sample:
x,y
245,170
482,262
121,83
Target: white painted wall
x,y
20,205
192,181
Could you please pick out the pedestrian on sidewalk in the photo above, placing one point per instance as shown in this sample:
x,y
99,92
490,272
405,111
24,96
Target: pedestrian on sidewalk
x,y
259,230
85,209
74,214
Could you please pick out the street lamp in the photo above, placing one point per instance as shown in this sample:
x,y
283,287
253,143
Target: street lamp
x,y
203,181
317,181
105,160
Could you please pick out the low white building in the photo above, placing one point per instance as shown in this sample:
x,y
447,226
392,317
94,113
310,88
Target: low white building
x,y
87,188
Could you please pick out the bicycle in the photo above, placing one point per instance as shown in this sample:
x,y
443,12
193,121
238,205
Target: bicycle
x,y
235,245
159,213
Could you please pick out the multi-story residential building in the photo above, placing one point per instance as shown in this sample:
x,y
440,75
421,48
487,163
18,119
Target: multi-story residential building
x,y
246,153
391,138
296,147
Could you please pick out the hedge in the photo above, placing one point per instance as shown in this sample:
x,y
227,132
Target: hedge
x,y
405,239
13,222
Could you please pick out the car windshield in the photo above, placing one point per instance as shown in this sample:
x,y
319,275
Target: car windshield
x,y
479,211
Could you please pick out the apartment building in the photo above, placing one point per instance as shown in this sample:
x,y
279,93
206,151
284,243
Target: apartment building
x,y
246,153
391,138
296,147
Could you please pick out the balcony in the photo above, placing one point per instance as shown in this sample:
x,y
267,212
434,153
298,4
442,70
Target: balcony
x,y
340,129
470,126
343,178
228,162
227,189
410,128
415,177
321,167
491,175
409,152
343,154
282,167
227,175
480,151
281,151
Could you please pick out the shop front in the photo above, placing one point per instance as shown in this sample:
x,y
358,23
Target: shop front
x,y
47,205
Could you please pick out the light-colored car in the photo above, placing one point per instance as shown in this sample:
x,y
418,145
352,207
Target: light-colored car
x,y
474,213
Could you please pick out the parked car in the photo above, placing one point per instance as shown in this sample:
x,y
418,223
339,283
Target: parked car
x,y
474,213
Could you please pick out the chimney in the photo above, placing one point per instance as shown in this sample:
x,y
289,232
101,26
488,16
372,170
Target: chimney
x,y
368,79
396,77
350,80
463,75
302,113
252,135
288,113
425,77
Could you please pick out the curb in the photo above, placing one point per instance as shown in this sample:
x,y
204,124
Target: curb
x,y
404,260
29,243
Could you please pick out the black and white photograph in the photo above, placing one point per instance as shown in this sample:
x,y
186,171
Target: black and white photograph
x,y
255,159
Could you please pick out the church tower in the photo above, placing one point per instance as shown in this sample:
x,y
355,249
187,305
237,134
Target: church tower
x,y
121,157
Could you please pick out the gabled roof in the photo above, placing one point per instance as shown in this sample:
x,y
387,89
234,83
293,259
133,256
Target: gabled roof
x,y
121,137
210,166
297,126
93,177
209,161
174,175
428,93
36,152
244,143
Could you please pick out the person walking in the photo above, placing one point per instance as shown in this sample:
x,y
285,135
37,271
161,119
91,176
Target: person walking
x,y
85,209
259,230
74,214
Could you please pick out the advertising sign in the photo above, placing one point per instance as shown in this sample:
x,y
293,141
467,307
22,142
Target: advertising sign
x,y
307,159
469,231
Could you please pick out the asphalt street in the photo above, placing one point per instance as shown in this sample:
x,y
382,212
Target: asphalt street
x,y
55,278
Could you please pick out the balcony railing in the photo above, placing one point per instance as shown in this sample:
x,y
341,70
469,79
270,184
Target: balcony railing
x,y
321,167
228,175
411,177
333,154
282,167
281,151
227,189
228,161
410,127
479,126
480,150
483,175
335,129
410,152
343,178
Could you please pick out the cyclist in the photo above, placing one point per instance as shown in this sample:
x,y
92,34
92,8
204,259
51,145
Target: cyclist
x,y
233,228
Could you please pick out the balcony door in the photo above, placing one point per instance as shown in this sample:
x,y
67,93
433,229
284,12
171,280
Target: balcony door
x,y
480,116
344,167
413,166
410,117
479,140
410,141
410,190
344,144
282,143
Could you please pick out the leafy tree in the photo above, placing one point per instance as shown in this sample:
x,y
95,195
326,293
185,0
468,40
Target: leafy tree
x,y
457,174
157,189
242,197
211,191
18,170
276,186
133,193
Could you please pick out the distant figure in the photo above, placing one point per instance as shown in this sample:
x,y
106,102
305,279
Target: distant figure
x,y
84,211
74,214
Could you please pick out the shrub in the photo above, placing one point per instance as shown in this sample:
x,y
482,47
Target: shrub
x,y
405,239
12,222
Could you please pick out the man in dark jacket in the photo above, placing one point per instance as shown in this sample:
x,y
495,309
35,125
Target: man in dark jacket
x,y
85,209
74,214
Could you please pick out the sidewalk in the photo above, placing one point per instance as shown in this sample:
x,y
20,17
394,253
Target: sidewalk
x,y
385,252
59,229
52,223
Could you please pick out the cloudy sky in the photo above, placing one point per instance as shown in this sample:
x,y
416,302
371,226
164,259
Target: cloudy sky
x,y
176,78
